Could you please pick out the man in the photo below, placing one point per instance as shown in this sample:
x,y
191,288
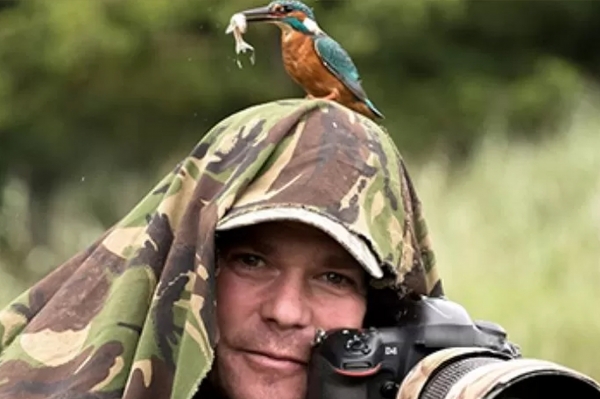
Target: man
x,y
286,217
277,283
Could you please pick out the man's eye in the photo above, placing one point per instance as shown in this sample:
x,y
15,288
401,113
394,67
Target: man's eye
x,y
249,259
338,279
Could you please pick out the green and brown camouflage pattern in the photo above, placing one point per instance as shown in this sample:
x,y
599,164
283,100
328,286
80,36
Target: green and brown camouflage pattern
x,y
489,380
133,315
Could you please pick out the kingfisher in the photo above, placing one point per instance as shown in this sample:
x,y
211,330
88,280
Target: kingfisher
x,y
314,60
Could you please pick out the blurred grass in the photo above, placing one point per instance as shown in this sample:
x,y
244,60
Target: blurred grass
x,y
516,230
517,235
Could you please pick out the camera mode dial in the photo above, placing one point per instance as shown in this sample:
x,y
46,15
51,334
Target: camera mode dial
x,y
354,352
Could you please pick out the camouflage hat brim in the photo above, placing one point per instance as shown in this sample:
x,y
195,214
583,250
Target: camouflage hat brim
x,y
350,241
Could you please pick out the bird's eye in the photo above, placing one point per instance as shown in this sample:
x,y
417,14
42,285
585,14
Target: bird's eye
x,y
287,8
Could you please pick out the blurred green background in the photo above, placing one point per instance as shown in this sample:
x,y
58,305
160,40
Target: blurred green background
x,y
493,104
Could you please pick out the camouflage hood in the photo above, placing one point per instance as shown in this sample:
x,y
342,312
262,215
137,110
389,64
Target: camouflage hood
x,y
133,315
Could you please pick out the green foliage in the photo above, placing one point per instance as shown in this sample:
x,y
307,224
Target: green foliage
x,y
516,232
116,83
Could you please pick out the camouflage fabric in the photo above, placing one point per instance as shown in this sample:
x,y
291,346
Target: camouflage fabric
x,y
133,315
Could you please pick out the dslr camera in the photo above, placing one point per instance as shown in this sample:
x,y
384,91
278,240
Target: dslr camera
x,y
436,351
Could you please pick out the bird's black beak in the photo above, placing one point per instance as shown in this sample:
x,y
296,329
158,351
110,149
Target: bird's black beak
x,y
260,14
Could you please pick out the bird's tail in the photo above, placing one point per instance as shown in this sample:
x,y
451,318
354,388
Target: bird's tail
x,y
374,109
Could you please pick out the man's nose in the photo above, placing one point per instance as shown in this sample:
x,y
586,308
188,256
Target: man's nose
x,y
287,303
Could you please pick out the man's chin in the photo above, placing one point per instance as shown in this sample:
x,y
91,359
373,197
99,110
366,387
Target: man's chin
x,y
278,390
250,377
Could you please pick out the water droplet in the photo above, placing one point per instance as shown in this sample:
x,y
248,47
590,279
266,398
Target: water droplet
x,y
82,178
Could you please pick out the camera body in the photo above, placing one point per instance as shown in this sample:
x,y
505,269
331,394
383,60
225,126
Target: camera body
x,y
370,363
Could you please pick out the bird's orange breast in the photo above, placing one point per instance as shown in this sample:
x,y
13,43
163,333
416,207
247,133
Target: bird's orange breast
x,y
304,65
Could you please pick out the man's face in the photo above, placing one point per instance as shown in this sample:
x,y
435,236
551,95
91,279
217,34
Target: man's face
x,y
278,283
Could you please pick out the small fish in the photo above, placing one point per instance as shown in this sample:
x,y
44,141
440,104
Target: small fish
x,y
238,25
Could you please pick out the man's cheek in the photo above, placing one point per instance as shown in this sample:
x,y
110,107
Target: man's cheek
x,y
349,315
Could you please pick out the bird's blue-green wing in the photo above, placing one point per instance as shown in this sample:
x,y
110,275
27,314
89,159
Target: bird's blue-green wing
x,y
337,60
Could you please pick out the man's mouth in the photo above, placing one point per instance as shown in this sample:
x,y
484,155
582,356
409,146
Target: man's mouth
x,y
274,361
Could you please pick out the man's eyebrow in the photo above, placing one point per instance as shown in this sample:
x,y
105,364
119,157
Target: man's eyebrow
x,y
258,245
247,240
342,262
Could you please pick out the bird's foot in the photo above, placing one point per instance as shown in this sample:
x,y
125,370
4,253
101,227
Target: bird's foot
x,y
333,96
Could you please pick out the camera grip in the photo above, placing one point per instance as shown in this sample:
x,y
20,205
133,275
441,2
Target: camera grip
x,y
327,382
